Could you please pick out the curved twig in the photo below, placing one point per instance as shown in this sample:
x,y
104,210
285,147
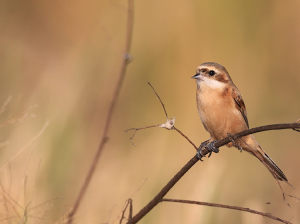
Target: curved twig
x,y
194,160
268,215
258,129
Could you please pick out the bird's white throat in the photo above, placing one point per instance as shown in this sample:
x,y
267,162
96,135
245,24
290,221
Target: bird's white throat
x,y
214,84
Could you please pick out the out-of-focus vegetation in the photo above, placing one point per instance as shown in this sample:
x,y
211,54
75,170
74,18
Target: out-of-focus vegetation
x,y
64,56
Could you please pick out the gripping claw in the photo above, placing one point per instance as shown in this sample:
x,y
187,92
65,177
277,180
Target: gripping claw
x,y
199,150
210,146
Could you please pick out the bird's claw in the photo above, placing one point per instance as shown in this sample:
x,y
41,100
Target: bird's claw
x,y
210,146
199,150
199,154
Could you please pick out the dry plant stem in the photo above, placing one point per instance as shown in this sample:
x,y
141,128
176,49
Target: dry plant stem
x,y
185,137
163,192
257,129
129,202
126,203
25,170
122,72
168,125
160,101
194,160
137,129
268,215
34,139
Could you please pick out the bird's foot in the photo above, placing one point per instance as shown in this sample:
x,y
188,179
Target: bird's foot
x,y
199,150
236,143
210,146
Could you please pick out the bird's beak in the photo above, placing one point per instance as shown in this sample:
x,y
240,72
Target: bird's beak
x,y
197,76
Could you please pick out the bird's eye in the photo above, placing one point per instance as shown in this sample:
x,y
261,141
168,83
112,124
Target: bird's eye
x,y
211,73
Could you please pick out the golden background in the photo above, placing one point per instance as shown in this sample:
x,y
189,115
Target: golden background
x,y
64,57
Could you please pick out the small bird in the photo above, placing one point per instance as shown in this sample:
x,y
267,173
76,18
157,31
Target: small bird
x,y
222,112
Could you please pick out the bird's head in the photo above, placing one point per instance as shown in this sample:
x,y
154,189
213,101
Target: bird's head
x,y
212,74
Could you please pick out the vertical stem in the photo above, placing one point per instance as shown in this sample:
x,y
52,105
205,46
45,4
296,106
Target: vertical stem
x,y
122,72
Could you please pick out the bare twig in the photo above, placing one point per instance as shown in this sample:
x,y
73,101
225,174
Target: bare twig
x,y
129,202
168,125
268,215
136,129
163,192
256,130
125,62
159,100
23,179
185,137
126,202
231,138
139,187
194,160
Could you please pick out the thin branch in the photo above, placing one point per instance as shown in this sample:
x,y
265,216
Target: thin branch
x,y
137,129
194,160
256,130
125,204
185,137
159,100
163,192
268,215
129,202
168,125
139,187
125,62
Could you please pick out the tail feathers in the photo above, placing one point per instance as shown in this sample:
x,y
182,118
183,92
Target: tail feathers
x,y
273,168
250,145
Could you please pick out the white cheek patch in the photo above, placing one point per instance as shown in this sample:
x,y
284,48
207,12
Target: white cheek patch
x,y
214,84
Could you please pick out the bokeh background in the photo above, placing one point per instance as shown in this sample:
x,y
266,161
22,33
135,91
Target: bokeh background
x,y
59,62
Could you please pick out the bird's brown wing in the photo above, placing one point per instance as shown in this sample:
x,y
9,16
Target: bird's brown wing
x,y
239,104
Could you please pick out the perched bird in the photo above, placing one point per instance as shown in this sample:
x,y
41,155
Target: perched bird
x,y
222,111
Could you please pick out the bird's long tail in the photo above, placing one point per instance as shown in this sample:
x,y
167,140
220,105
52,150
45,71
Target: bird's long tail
x,y
273,168
255,149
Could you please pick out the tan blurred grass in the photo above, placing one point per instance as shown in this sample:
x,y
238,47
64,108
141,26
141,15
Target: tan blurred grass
x,y
64,56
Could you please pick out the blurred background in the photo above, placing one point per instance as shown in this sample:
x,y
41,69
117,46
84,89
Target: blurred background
x,y
59,62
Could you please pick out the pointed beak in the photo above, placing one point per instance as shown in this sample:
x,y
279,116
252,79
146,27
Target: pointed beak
x,y
197,76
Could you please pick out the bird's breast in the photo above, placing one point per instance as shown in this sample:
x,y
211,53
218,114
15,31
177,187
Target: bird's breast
x,y
218,113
